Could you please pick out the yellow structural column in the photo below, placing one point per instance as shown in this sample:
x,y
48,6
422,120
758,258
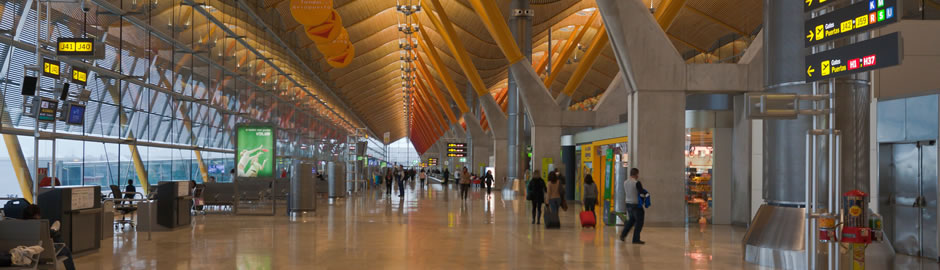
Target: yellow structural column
x,y
441,101
423,94
424,41
423,104
19,165
493,20
597,45
436,92
570,45
446,28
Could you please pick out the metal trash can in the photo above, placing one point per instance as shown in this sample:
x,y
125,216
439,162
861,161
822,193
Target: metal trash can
x,y
303,188
337,179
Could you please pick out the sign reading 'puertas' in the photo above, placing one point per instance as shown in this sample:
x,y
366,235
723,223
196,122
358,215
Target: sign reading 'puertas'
x,y
880,52
850,20
254,150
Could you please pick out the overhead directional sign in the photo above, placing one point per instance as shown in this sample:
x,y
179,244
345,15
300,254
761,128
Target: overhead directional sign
x,y
880,52
75,46
79,76
51,68
810,5
859,17
457,150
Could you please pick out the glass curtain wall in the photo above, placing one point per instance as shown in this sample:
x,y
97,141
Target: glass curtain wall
x,y
401,152
169,84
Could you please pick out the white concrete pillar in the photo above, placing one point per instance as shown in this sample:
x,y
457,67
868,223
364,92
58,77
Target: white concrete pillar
x,y
660,142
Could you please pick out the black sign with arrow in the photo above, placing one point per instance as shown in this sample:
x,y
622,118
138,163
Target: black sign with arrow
x,y
815,4
880,52
860,17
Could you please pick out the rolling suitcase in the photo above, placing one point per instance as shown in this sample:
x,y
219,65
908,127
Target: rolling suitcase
x,y
587,219
551,218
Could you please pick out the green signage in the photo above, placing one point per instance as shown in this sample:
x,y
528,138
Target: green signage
x,y
254,150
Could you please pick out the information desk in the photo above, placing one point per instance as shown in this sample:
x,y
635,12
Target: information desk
x,y
174,200
78,209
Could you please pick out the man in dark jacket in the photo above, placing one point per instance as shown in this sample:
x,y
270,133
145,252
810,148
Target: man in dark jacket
x,y
446,175
535,192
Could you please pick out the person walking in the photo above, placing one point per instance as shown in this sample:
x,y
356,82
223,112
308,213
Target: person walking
x,y
554,192
400,176
446,176
388,181
535,192
488,181
464,183
590,194
632,190
423,176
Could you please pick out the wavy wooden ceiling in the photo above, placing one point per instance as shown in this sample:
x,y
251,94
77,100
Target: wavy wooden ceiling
x,y
370,86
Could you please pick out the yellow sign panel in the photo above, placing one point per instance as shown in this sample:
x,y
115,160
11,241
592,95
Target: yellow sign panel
x,y
75,46
79,76
846,26
824,66
861,21
820,32
50,68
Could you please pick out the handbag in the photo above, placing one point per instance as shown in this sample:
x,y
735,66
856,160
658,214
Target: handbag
x,y
564,203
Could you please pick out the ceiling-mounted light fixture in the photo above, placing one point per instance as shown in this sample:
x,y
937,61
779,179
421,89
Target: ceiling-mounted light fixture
x,y
408,29
408,9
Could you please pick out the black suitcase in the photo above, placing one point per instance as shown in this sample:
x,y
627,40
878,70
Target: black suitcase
x,y
551,218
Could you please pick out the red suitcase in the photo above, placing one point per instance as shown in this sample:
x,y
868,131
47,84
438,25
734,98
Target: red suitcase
x,y
587,219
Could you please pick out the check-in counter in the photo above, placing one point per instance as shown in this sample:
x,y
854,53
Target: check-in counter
x,y
78,209
174,200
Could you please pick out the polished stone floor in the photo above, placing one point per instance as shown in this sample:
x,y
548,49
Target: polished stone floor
x,y
431,228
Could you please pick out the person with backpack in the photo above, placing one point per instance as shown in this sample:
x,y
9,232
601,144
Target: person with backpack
x,y
634,192
535,192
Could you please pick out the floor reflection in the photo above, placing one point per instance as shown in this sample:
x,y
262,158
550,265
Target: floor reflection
x,y
429,228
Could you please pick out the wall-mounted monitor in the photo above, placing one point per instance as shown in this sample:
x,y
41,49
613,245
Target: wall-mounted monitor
x,y
75,114
47,109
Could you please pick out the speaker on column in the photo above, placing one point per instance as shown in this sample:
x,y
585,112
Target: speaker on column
x,y
29,85
65,92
